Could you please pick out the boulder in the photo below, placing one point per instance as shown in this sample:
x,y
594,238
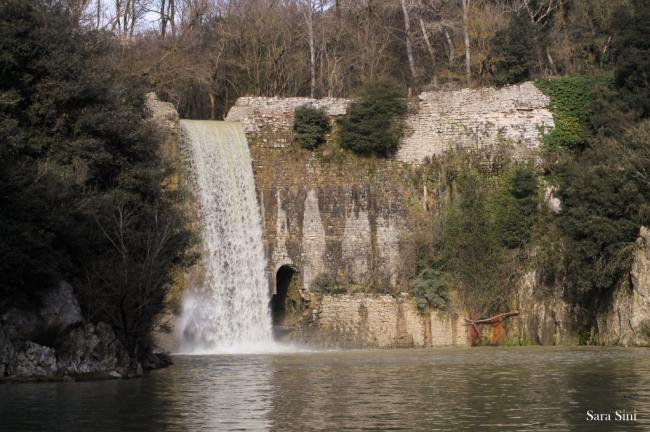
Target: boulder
x,y
53,342
33,360
157,361
91,349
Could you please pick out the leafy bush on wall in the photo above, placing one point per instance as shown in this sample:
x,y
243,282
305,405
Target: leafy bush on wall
x,y
310,126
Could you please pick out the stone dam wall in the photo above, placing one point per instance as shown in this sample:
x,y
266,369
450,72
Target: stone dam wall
x,y
378,321
439,120
327,215
330,212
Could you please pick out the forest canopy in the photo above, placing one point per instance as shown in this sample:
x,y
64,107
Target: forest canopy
x,y
203,54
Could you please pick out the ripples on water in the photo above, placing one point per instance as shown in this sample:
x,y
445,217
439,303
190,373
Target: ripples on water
x,y
541,389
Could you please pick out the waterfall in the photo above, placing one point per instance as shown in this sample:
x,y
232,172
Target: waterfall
x,y
230,312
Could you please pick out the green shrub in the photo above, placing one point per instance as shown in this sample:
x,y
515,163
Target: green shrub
x,y
519,342
572,103
517,208
605,196
374,123
430,290
310,126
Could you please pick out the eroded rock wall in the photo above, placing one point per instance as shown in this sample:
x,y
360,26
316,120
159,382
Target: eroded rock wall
x,y
379,321
476,118
53,342
544,316
324,214
627,319
331,218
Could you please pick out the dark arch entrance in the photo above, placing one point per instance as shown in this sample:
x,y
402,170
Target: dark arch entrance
x,y
284,303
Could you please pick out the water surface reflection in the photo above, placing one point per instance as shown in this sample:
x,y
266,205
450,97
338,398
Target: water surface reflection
x,y
445,389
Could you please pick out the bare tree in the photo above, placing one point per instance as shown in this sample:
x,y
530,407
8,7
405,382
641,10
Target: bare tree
x,y
450,44
409,42
308,10
468,61
424,7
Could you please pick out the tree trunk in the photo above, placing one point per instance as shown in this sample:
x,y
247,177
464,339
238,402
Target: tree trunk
x,y
163,19
213,105
171,16
125,18
133,18
116,21
432,53
309,19
551,63
409,46
450,43
468,61
99,13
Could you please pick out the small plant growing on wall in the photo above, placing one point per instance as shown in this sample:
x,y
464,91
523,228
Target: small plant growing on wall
x,y
374,123
310,126
430,290
326,283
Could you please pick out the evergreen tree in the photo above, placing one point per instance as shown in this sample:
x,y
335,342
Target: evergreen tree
x,y
513,52
310,125
374,122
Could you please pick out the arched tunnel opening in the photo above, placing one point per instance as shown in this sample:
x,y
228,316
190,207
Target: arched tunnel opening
x,y
286,302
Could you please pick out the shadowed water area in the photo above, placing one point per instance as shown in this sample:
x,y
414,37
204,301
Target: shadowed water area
x,y
444,389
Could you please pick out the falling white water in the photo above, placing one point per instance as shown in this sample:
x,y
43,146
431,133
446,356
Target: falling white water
x,y
230,312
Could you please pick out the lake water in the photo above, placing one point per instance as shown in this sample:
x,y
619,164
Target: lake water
x,y
487,389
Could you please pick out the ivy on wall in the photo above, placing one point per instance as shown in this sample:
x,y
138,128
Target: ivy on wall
x,y
573,100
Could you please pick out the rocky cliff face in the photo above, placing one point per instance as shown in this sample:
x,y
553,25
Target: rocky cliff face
x,y
53,342
626,321
544,317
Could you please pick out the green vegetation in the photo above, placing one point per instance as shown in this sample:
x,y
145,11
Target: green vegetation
x,y
470,246
517,208
572,102
81,195
632,74
430,290
476,242
585,337
602,183
310,126
605,196
374,122
518,343
326,283
513,51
